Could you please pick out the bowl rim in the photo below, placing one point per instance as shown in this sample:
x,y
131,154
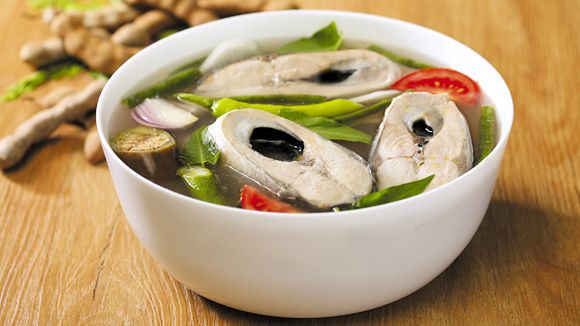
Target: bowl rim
x,y
506,124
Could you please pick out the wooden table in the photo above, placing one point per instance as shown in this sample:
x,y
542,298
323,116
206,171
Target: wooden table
x,y
68,256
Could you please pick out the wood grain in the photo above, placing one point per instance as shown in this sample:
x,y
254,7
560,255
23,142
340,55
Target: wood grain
x,y
67,255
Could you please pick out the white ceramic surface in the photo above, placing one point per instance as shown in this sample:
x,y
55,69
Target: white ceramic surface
x,y
304,265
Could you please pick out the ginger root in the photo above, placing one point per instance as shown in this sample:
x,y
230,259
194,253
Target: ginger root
x,y
97,53
140,32
154,21
50,13
279,5
54,96
39,126
98,21
41,53
235,7
45,52
231,7
100,32
92,147
185,10
131,35
110,17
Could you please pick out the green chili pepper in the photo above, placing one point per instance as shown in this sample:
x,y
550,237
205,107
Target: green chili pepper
x,y
327,109
486,131
165,87
399,58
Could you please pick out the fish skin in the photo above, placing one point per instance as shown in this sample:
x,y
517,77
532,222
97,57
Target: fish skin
x,y
325,175
394,156
293,73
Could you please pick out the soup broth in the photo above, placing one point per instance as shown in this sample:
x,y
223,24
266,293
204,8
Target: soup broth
x,y
231,180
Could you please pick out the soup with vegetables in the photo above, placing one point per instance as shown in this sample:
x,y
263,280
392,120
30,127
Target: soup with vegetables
x,y
311,126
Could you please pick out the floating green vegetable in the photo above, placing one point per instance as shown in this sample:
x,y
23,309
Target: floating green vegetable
x,y
486,131
326,127
326,39
382,105
201,184
167,86
283,99
399,58
200,149
200,181
330,109
277,99
206,102
392,194
37,78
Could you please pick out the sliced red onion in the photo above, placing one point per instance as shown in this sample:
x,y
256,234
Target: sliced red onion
x,y
162,114
374,97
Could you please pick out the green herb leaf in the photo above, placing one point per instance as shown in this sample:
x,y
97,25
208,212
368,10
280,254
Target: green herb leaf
x,y
168,32
23,86
37,78
326,127
98,75
200,148
326,39
70,4
399,58
64,70
394,193
486,131
167,86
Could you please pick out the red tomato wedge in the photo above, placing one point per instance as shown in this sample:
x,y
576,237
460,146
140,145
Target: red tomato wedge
x,y
254,200
461,89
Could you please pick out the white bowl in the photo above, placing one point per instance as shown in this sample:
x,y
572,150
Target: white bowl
x,y
303,265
